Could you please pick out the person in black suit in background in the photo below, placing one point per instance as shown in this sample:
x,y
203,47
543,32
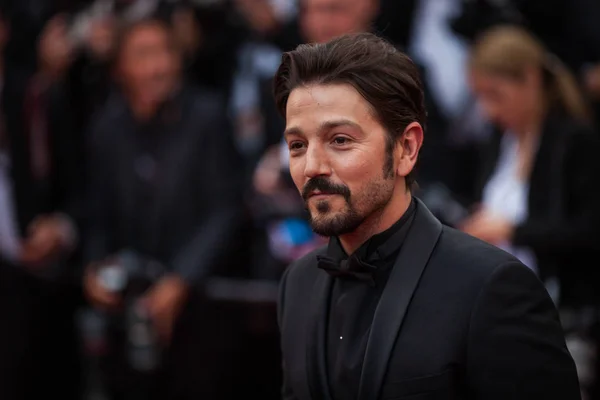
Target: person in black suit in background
x,y
165,184
40,210
397,305
538,188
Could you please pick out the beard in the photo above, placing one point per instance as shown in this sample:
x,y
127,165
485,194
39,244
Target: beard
x,y
324,223
373,198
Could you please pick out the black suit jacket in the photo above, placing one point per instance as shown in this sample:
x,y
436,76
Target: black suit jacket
x,y
36,312
198,209
64,188
62,191
563,223
458,319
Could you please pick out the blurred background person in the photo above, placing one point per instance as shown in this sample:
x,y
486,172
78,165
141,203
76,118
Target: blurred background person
x,y
164,186
539,187
40,211
529,93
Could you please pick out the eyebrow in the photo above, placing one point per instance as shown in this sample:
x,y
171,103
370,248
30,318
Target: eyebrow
x,y
325,126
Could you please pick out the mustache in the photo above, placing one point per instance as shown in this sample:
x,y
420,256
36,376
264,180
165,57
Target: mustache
x,y
325,186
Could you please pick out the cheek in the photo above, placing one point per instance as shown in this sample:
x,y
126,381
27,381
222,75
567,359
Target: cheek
x,y
296,169
517,104
515,110
357,169
343,24
500,110
313,27
489,107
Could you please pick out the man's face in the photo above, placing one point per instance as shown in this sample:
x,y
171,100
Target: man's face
x,y
340,159
323,20
149,65
507,101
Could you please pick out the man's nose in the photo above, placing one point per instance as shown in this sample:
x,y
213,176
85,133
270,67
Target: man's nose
x,y
317,163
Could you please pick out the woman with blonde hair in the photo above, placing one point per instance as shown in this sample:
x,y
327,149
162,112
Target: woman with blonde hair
x,y
539,189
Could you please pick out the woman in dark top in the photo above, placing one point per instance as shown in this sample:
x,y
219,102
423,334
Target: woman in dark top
x,y
538,195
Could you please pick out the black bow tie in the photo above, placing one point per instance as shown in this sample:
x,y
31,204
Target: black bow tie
x,y
353,268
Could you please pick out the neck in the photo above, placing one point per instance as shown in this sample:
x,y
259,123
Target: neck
x,y
527,140
143,110
145,107
528,134
378,222
533,125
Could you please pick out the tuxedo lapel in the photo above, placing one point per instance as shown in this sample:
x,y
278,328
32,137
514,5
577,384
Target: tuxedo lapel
x,y
316,352
395,300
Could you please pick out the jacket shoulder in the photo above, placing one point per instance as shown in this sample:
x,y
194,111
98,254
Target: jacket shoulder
x,y
470,257
461,268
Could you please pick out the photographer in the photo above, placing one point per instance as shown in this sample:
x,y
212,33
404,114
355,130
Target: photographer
x,y
166,200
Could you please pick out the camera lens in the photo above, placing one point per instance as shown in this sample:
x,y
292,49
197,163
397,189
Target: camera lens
x,y
113,278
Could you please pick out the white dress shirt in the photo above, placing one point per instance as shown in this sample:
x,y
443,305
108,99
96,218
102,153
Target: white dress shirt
x,y
506,195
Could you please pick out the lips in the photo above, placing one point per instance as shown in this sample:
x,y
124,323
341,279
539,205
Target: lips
x,y
319,193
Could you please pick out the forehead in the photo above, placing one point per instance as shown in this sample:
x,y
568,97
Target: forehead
x,y
149,34
313,105
489,81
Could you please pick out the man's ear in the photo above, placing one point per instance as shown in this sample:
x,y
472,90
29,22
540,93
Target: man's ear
x,y
407,148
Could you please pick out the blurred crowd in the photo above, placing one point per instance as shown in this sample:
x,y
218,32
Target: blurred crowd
x,y
146,211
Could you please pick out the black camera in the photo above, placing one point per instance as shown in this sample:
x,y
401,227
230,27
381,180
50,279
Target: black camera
x,y
130,275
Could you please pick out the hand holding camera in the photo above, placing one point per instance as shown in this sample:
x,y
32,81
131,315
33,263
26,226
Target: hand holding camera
x,y
164,302
104,283
124,279
140,293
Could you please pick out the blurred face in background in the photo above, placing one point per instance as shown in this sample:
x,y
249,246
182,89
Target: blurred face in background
x,y
148,64
508,101
323,20
55,50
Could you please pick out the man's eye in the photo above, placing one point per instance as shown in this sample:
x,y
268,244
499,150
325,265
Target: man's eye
x,y
296,145
340,140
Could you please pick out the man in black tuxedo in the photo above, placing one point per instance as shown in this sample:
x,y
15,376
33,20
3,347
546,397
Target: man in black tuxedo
x,y
397,305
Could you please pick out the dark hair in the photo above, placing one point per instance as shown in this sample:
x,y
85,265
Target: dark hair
x,y
126,28
384,76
